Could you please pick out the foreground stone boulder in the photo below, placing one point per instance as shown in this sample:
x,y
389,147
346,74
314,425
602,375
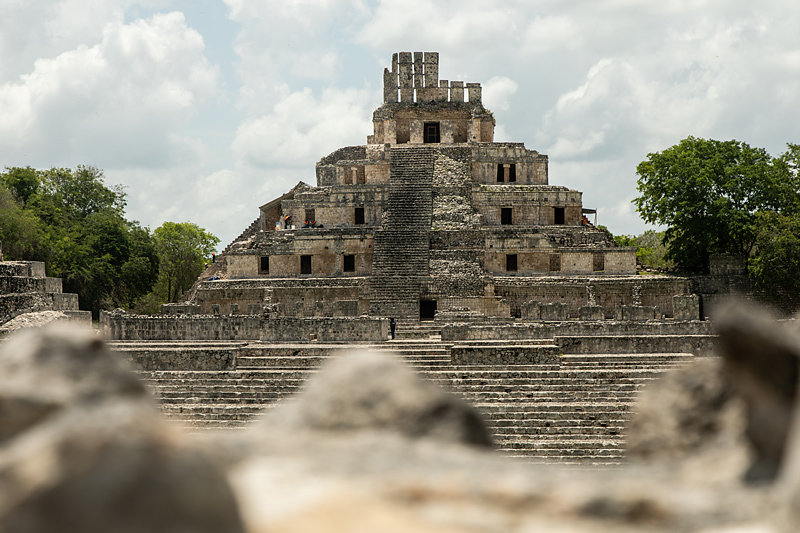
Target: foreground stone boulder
x,y
363,448
46,370
371,391
84,449
691,418
762,361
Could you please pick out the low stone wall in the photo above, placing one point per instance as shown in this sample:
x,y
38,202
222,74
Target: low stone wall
x,y
128,327
328,329
123,326
504,355
12,305
545,330
181,357
695,344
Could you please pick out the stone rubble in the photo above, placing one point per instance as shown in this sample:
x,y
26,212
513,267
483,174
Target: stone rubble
x,y
367,447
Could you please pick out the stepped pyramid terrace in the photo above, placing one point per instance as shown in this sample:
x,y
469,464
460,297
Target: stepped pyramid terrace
x,y
431,219
436,245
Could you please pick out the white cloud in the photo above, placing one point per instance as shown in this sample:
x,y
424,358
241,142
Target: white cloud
x,y
303,127
33,29
281,40
119,102
497,93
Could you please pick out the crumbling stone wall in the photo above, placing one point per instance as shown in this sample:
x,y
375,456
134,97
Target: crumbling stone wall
x,y
129,327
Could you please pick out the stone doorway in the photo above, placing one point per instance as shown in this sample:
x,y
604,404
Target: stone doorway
x,y
427,309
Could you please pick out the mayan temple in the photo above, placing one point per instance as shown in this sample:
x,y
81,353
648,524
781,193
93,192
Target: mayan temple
x,y
431,218
433,244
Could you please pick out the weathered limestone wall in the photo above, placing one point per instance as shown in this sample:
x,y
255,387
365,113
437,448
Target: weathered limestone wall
x,y
174,356
695,344
326,248
509,354
608,292
362,329
338,296
531,166
541,330
336,207
24,288
130,327
531,205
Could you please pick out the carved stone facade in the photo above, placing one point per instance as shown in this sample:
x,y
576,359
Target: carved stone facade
x,y
430,216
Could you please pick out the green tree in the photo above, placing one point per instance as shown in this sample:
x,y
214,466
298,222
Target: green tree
x,y
183,249
75,223
22,182
21,232
650,249
775,263
709,193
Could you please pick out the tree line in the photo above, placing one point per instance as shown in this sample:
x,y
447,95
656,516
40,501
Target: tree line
x,y
726,197
76,224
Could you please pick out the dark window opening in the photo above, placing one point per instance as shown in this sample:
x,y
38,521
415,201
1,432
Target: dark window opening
x,y
505,215
264,266
512,172
558,215
403,131
431,132
511,262
305,264
516,311
599,262
500,173
349,263
427,309
311,216
359,215
555,262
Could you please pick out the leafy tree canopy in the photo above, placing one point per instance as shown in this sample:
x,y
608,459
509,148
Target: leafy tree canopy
x,y
75,223
183,249
710,193
650,249
775,264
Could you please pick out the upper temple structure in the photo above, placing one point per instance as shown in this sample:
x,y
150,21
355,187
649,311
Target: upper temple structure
x,y
430,219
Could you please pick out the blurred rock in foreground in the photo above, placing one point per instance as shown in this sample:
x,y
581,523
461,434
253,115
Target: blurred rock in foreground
x,y
367,447
83,448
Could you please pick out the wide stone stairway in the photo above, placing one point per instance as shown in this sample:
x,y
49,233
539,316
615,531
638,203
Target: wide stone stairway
x,y
400,259
573,411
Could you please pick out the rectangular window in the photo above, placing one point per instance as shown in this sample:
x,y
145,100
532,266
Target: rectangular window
x,y
511,262
305,264
431,132
506,215
263,268
598,261
558,215
361,176
555,262
349,263
359,215
349,174
500,173
311,216
512,173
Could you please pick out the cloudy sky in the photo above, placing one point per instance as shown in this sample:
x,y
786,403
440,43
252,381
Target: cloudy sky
x,y
206,109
